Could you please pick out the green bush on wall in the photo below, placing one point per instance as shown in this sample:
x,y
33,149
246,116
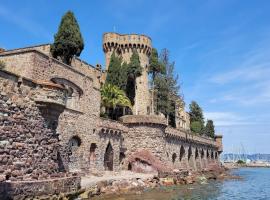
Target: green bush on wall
x,y
2,64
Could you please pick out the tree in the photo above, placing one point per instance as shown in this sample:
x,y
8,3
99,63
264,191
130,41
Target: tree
x,y
196,115
68,40
196,127
209,129
167,88
134,70
2,64
155,67
113,97
115,75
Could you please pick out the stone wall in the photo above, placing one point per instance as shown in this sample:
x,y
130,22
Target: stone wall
x,y
124,46
28,148
175,148
42,188
69,100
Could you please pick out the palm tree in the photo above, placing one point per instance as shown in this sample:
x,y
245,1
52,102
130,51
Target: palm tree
x,y
113,97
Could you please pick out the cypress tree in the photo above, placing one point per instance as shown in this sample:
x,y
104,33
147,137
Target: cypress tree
x,y
68,40
210,129
134,70
114,71
196,115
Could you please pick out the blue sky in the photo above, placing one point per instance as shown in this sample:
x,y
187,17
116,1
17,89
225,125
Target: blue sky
x,y
221,49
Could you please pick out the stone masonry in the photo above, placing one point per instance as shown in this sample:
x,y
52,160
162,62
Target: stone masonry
x,y
123,45
50,120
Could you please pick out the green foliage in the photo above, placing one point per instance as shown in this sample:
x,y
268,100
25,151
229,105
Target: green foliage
x,y
241,162
196,114
134,66
167,88
196,126
117,74
68,40
209,129
112,98
134,70
162,94
155,68
2,64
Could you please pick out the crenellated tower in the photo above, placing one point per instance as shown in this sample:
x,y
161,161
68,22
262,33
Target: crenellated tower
x,y
123,45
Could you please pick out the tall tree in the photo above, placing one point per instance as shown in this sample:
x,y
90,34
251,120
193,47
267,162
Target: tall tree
x,y
68,40
168,90
155,67
196,116
134,70
115,75
209,129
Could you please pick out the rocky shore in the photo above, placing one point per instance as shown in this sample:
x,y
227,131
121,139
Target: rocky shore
x,y
138,185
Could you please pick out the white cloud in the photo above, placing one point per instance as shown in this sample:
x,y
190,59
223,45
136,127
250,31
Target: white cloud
x,y
226,118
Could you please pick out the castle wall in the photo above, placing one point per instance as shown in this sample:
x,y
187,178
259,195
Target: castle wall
x,y
84,136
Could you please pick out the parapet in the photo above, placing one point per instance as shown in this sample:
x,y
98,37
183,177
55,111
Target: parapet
x,y
218,139
124,42
143,119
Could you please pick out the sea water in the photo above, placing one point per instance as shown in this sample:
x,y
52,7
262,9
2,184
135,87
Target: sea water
x,y
255,185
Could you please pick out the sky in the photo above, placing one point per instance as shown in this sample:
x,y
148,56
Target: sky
x,y
221,50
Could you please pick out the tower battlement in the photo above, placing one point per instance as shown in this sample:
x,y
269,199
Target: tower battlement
x,y
123,45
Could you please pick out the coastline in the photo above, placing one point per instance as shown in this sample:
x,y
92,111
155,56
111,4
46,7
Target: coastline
x,y
139,182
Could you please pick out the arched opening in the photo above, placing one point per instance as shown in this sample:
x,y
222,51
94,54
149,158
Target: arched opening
x,y
182,153
216,155
196,154
108,158
212,155
74,157
174,157
207,153
74,142
129,166
202,153
93,147
189,153
122,156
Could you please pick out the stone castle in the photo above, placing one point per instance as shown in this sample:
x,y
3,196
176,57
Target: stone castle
x,y
50,124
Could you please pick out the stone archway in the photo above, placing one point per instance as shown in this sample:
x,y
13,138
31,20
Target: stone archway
x,y
174,157
92,154
182,153
108,158
74,156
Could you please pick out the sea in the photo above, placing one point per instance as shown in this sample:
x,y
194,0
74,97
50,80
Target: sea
x,y
254,185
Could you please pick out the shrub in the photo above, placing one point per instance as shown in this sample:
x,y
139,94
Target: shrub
x,y
196,127
2,64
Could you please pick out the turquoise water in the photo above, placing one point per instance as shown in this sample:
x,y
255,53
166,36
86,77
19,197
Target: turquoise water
x,y
254,186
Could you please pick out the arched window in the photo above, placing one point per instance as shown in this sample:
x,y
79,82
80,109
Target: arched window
x,y
74,92
182,153
202,153
174,157
196,153
189,153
